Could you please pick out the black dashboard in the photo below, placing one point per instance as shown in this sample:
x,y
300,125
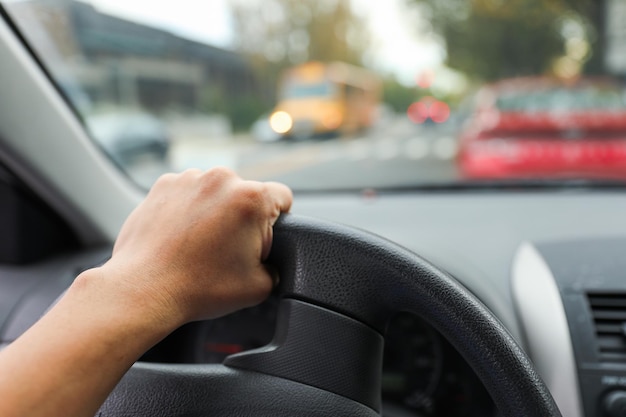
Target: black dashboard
x,y
589,276
539,260
422,374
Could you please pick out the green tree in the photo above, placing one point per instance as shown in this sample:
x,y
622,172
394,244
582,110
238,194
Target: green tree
x,y
290,32
276,34
491,39
594,12
242,110
398,96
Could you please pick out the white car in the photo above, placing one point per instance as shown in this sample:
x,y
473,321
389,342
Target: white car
x,y
128,136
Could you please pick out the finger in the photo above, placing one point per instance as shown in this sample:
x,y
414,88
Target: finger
x,y
264,279
282,196
281,200
268,237
273,273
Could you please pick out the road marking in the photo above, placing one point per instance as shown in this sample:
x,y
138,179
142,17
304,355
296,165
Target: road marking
x,y
386,149
357,151
183,157
283,163
445,148
417,148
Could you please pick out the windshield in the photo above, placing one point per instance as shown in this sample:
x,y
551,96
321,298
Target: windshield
x,y
562,99
343,94
301,90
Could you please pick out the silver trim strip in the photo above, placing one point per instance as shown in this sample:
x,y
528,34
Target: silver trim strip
x,y
543,321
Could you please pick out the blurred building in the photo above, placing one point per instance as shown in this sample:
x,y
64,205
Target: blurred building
x,y
118,61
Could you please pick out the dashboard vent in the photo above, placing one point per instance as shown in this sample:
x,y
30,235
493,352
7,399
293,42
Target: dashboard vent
x,y
609,318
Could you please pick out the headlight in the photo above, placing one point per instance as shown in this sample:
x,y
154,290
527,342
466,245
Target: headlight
x,y
281,122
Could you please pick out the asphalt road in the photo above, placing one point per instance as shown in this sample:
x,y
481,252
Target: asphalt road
x,y
398,154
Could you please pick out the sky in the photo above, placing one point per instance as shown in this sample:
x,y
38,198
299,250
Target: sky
x,y
396,47
208,21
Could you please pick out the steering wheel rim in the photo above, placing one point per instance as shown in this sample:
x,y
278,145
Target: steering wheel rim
x,y
338,285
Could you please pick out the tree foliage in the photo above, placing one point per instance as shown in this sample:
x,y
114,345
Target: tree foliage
x,y
492,39
287,32
276,34
398,96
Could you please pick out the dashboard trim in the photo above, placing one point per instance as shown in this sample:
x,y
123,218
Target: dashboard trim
x,y
544,324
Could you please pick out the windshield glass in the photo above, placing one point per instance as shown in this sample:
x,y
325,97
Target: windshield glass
x,y
343,94
297,90
563,99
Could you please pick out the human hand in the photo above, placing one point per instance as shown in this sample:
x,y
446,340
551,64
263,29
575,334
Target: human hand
x,y
193,249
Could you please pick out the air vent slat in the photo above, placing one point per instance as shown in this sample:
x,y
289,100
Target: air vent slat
x,y
609,327
612,357
609,317
611,343
608,301
602,314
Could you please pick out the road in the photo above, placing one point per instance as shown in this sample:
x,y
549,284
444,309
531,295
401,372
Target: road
x,y
398,154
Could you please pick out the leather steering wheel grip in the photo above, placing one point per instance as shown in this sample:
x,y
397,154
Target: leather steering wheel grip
x,y
339,287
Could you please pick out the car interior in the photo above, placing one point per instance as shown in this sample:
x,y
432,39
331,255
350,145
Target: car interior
x,y
465,298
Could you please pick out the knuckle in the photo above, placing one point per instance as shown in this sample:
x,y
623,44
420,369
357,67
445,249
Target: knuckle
x,y
221,172
168,177
191,173
214,179
250,200
164,180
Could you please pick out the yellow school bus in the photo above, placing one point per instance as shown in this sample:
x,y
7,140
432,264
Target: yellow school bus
x,y
319,98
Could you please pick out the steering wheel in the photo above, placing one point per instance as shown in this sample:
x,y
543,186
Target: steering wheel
x,y
339,287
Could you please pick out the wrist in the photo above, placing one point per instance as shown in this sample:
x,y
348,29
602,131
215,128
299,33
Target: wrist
x,y
116,300
71,359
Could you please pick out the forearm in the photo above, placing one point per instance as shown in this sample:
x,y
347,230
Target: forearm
x,y
192,250
68,362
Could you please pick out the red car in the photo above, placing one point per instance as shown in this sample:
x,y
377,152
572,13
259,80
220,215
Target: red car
x,y
543,128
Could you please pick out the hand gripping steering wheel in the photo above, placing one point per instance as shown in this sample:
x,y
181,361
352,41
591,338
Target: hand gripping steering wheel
x,y
339,287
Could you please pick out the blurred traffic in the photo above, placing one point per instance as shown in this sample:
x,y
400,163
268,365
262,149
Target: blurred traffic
x,y
345,93
537,127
